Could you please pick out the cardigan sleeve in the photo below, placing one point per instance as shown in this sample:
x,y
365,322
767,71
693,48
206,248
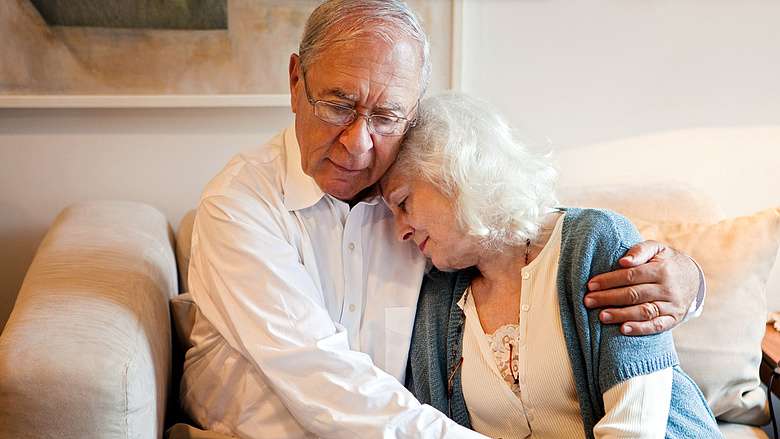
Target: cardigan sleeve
x,y
593,242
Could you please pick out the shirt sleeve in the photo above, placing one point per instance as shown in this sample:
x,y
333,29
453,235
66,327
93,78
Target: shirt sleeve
x,y
637,408
256,292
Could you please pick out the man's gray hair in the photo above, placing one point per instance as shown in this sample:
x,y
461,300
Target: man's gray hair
x,y
336,21
500,186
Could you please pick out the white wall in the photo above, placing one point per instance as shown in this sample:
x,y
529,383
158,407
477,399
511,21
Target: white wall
x,y
51,158
581,73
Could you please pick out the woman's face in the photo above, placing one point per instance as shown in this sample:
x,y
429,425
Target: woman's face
x,y
426,216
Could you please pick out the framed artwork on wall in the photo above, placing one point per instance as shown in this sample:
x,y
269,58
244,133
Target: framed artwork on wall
x,y
189,53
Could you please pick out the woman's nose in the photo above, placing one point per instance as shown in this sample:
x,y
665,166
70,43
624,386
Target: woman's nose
x,y
403,231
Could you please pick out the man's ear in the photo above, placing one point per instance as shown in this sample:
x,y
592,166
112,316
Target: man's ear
x,y
295,79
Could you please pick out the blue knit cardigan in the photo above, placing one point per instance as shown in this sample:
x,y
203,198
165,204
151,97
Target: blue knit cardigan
x,y
592,243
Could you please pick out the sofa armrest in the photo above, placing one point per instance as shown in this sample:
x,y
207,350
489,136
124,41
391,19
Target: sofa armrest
x,y
86,350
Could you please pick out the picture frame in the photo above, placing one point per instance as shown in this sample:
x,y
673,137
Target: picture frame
x,y
60,59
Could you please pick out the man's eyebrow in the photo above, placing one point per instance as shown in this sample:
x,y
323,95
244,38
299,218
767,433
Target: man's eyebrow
x,y
391,107
341,94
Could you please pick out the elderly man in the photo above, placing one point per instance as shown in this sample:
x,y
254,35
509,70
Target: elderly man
x,y
305,298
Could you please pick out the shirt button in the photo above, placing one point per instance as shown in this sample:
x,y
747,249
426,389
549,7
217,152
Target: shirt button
x,y
526,275
525,307
352,308
520,342
529,413
351,246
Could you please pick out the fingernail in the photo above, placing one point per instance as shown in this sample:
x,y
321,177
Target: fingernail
x,y
590,302
627,330
593,286
628,257
606,317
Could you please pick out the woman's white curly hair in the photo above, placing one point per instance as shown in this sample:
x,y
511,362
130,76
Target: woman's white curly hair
x,y
500,186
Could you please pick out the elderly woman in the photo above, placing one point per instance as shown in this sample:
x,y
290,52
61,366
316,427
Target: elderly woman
x,y
502,342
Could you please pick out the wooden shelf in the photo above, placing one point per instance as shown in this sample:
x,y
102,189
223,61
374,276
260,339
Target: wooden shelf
x,y
771,349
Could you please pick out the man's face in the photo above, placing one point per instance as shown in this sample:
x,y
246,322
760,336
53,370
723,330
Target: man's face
x,y
370,76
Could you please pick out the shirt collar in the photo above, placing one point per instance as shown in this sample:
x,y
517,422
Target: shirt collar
x,y
300,190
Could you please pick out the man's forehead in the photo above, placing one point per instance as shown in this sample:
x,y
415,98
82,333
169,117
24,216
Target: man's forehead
x,y
373,71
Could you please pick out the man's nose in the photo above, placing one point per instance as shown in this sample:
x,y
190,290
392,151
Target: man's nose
x,y
356,136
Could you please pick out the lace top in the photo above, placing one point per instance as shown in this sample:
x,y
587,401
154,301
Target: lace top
x,y
503,343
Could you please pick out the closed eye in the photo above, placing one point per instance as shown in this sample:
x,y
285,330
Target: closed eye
x,y
398,207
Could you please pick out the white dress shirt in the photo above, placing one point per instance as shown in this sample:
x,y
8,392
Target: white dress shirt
x,y
305,309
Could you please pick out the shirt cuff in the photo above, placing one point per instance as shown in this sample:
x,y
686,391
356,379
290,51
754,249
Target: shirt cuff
x,y
698,304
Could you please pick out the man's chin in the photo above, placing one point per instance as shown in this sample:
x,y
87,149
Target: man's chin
x,y
347,193
349,186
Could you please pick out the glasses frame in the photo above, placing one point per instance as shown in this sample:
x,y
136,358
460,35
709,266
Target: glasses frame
x,y
408,123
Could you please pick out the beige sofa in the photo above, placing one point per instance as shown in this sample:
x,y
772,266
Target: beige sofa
x,y
88,350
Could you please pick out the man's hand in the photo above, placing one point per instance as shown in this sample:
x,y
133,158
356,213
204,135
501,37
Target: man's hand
x,y
652,272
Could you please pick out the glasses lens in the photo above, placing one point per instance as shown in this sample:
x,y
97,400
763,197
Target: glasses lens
x,y
387,125
335,114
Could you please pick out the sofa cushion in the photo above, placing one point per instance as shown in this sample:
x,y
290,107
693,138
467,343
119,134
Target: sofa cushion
x,y
653,202
741,431
721,349
183,319
183,243
186,431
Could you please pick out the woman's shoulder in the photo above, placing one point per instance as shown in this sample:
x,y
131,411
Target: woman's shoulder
x,y
602,223
585,217
593,240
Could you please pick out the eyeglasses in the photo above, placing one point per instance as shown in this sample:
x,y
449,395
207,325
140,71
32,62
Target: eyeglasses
x,y
336,114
